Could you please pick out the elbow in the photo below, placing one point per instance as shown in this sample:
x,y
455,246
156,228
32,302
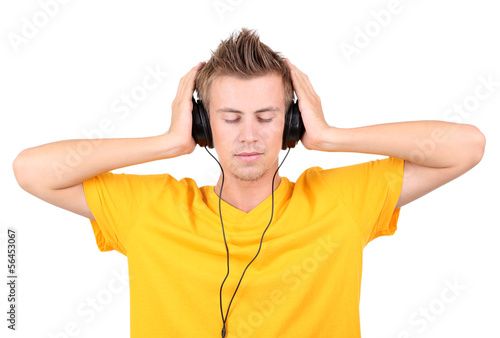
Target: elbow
x,y
20,169
475,145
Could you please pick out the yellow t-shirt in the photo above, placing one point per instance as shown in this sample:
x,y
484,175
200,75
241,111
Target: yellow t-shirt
x,y
304,283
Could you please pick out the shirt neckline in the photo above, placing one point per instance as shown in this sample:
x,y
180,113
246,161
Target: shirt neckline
x,y
234,217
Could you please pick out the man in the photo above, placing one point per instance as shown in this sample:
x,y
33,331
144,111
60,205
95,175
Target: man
x,y
304,239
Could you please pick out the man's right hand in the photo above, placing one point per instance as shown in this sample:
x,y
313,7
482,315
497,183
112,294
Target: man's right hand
x,y
55,172
181,123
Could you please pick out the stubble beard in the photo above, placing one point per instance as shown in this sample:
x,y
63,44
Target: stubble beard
x,y
241,173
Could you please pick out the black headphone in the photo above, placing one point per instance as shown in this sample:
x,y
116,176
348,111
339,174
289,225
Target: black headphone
x,y
202,132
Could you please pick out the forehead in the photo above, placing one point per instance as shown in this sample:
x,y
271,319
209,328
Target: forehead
x,y
230,90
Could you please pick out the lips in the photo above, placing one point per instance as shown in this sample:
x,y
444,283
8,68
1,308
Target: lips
x,y
248,156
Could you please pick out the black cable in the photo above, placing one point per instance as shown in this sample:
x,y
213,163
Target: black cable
x,y
227,250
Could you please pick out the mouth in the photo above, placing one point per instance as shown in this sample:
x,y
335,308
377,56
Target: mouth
x,y
249,157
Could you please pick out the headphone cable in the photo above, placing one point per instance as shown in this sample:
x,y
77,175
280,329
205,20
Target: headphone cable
x,y
224,319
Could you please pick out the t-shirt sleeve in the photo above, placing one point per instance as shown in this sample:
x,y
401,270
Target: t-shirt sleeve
x,y
116,201
370,192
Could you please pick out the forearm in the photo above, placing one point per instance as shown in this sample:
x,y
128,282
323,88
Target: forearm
x,y
435,144
66,163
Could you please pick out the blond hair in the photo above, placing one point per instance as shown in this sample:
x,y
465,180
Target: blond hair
x,y
243,56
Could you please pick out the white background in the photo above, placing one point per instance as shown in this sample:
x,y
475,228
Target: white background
x,y
62,81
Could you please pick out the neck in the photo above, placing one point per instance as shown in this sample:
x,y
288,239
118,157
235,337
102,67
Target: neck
x,y
246,195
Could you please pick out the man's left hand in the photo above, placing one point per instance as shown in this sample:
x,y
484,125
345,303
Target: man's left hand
x,y
310,108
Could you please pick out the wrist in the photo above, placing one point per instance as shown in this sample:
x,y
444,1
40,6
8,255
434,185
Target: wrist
x,y
326,139
175,145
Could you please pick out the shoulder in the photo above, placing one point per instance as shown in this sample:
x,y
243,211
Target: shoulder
x,y
388,169
123,182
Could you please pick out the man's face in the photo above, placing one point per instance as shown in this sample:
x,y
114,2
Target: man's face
x,y
247,116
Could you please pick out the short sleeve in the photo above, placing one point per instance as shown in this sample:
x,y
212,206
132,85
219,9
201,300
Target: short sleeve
x,y
370,192
116,201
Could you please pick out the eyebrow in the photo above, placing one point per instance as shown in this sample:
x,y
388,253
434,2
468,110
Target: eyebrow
x,y
232,110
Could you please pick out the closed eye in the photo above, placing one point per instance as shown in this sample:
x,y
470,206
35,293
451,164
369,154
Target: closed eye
x,y
236,120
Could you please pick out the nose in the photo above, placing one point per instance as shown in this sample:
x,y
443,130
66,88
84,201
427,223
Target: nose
x,y
249,130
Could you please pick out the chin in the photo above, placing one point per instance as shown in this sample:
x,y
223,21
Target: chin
x,y
252,174
246,173
249,177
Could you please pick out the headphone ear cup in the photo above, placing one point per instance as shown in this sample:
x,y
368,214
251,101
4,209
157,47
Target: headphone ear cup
x,y
201,130
294,126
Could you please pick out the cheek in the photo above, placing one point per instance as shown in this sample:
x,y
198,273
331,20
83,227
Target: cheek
x,y
223,140
278,132
272,135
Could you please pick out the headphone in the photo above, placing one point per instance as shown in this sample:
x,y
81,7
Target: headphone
x,y
202,132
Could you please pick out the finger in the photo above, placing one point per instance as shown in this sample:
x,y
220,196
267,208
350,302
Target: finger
x,y
301,81
187,82
191,77
200,65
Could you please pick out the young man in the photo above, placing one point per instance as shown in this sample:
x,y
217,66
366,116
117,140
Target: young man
x,y
309,234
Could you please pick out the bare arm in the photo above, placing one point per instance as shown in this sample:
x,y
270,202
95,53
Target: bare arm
x,y
435,152
54,172
63,164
